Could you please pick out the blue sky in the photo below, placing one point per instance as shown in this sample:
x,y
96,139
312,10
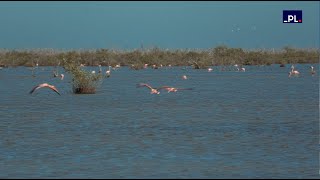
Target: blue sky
x,y
173,25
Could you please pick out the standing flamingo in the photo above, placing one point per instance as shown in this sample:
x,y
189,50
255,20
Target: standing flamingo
x,y
108,72
293,72
100,70
62,76
312,70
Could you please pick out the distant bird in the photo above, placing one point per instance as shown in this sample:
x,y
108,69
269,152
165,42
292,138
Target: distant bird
x,y
45,85
293,72
55,73
108,72
209,69
243,69
62,76
312,70
153,90
184,77
172,89
93,72
145,66
100,70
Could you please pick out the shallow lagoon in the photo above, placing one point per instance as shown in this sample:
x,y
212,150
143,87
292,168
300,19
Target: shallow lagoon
x,y
254,124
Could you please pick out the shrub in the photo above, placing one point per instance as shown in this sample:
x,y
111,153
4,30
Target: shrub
x,y
83,82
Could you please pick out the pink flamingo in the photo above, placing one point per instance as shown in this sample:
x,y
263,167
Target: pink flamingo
x,y
172,89
153,90
293,72
45,85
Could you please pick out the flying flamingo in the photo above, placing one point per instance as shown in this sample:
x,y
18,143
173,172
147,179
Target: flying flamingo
x,y
44,85
172,89
153,91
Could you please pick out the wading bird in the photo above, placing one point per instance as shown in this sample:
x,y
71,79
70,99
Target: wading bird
x,y
62,76
55,73
293,72
44,85
108,72
172,89
100,70
184,77
153,90
312,70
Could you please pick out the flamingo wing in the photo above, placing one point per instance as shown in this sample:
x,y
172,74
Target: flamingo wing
x,y
163,87
54,89
35,88
44,85
185,88
144,84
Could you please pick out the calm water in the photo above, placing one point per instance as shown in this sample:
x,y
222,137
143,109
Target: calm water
x,y
254,124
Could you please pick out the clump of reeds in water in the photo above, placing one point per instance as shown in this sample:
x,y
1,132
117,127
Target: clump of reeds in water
x,y
83,82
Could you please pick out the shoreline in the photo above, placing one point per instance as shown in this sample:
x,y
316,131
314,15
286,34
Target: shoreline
x,y
218,56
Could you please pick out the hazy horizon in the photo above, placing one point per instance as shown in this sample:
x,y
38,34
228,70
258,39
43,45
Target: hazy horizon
x,y
173,25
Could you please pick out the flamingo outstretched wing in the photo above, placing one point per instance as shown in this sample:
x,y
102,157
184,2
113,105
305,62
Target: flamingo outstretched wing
x,y
168,87
144,84
164,87
45,85
54,89
35,88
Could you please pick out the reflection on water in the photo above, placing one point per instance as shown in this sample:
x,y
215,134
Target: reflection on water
x,y
254,124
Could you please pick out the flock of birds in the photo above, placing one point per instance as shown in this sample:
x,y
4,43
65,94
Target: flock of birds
x,y
293,72
157,90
